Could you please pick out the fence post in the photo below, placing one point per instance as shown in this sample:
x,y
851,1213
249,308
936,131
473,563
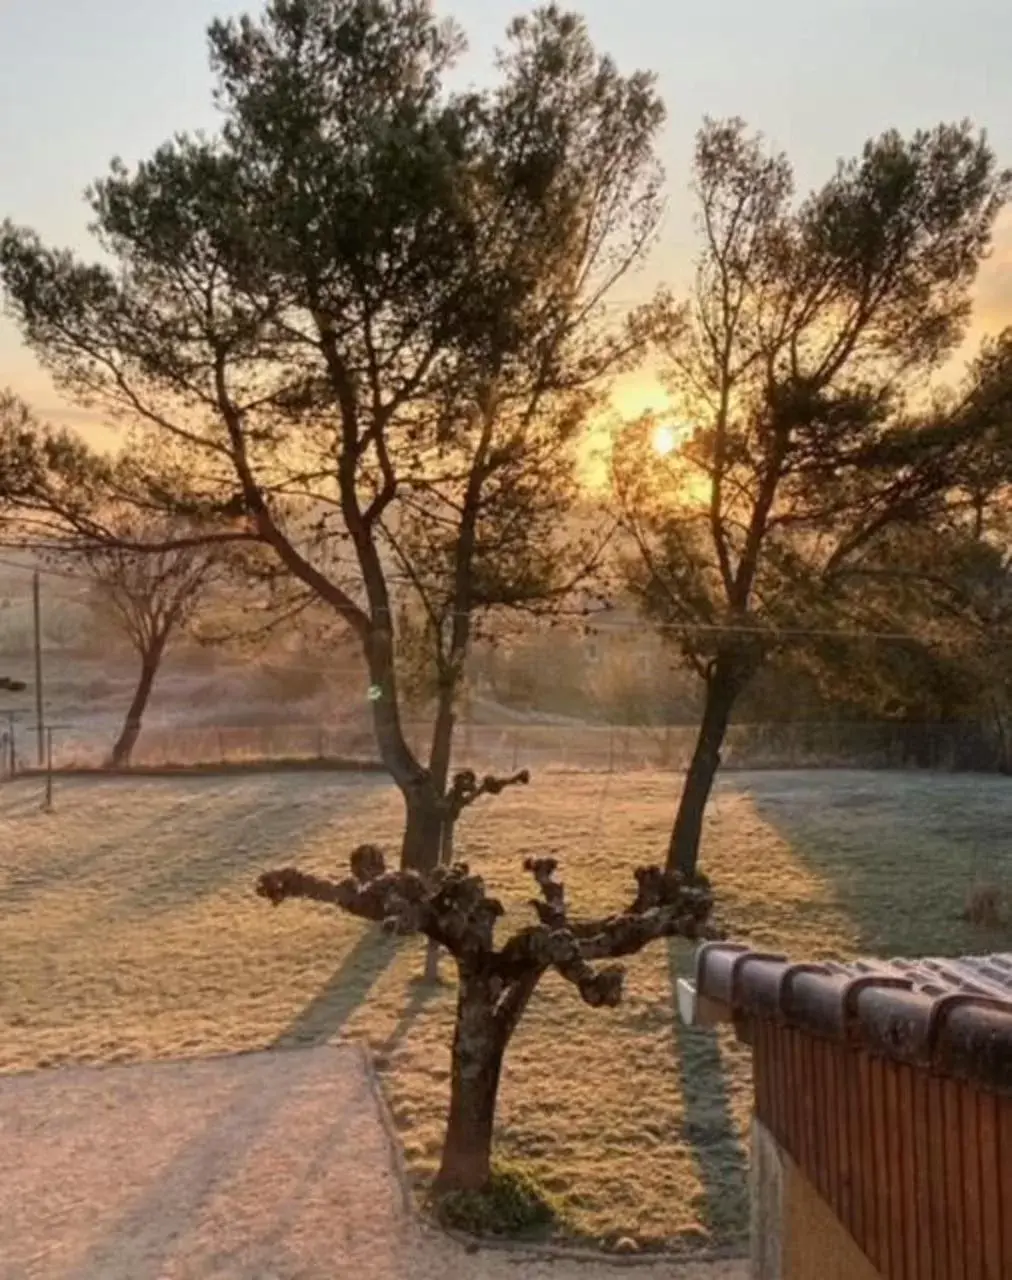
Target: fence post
x,y
611,748
221,746
47,804
516,750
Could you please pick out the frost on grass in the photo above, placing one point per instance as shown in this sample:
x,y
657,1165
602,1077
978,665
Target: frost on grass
x,y
127,931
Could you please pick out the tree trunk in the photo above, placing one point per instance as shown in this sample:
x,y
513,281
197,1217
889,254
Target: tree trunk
x,y
722,690
423,826
422,803
446,840
441,749
1004,763
445,858
431,973
479,1043
439,772
131,731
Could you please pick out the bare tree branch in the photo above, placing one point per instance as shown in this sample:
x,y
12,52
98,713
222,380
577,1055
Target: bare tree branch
x,y
451,907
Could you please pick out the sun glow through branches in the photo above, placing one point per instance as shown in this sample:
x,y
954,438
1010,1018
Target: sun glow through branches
x,y
667,437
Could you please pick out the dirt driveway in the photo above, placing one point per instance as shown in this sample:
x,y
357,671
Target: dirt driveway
x,y
269,1166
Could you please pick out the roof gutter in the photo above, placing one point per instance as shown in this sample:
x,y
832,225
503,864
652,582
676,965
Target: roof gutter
x,y
696,1009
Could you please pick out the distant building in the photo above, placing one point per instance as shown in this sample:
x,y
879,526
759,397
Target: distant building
x,y
882,1133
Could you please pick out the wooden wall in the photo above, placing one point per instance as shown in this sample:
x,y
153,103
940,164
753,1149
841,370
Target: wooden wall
x,y
917,1168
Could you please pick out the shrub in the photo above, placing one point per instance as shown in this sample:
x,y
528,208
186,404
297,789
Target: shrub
x,y
989,906
513,1204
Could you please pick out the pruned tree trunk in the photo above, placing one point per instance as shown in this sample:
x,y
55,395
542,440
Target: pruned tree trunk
x,y
431,974
124,746
439,771
465,791
453,906
445,859
722,689
479,1044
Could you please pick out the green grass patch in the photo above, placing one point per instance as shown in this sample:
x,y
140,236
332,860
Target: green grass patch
x,y
514,1204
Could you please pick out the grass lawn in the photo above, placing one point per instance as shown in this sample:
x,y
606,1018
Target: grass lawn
x,y
129,930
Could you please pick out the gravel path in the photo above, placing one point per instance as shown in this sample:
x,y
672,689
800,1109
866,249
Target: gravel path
x,y
260,1167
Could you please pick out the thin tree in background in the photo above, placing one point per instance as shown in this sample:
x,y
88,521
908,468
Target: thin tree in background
x,y
78,509
374,312
152,598
795,369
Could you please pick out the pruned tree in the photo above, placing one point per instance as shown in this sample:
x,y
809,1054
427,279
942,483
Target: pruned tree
x,y
151,597
452,907
374,312
798,368
465,789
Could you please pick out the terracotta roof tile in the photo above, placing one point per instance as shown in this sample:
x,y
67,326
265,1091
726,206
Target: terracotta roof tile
x,y
949,1016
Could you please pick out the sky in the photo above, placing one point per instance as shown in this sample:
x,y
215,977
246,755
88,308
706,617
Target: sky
x,y
82,81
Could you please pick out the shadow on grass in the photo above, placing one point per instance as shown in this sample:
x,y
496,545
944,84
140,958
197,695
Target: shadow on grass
x,y
898,852
348,986
188,843
422,993
230,851
209,855
99,859
708,1126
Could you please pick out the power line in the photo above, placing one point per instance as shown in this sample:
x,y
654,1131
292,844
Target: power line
x,y
594,622
629,624
46,573
825,633
592,630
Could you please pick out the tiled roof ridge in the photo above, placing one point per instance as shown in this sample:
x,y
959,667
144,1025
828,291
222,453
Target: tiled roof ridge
x,y
951,1016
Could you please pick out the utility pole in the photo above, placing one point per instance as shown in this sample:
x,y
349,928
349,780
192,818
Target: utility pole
x,y
37,615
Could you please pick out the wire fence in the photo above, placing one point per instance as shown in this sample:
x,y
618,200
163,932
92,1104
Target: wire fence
x,y
494,748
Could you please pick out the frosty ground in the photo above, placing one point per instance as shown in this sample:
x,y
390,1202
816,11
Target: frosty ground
x,y
129,932
268,1166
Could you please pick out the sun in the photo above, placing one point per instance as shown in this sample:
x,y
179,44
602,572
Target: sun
x,y
666,438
